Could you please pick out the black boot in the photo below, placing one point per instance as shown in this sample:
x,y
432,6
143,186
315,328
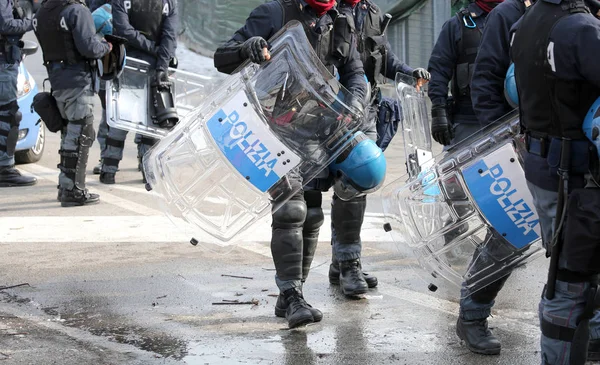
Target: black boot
x,y
77,197
107,178
351,278
298,312
282,305
478,338
334,275
594,350
9,176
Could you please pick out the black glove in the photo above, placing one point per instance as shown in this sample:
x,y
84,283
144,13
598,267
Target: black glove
x,y
421,73
252,49
441,130
174,62
161,78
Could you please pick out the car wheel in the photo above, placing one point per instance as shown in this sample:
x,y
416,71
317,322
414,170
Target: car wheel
x,y
34,154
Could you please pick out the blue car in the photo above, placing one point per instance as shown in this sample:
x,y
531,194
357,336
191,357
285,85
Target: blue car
x,y
32,135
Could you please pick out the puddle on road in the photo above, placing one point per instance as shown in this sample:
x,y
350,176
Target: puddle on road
x,y
115,329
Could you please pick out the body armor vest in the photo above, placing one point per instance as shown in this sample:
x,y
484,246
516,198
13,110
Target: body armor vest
x,y
330,46
53,34
371,45
468,47
146,17
549,106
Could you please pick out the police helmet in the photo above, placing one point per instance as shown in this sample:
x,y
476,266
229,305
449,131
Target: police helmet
x,y
510,87
594,6
103,20
360,169
111,65
591,125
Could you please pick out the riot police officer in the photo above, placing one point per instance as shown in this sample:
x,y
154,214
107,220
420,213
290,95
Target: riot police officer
x,y
452,61
66,32
303,212
554,52
12,28
150,28
379,63
489,104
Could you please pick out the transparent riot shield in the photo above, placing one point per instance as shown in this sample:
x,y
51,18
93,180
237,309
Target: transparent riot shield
x,y
254,143
469,218
129,104
415,124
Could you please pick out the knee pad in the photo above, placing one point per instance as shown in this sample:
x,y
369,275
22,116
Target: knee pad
x,y
347,218
314,219
88,134
292,214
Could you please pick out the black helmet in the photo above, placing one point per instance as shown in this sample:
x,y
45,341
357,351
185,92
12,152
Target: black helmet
x,y
111,65
594,6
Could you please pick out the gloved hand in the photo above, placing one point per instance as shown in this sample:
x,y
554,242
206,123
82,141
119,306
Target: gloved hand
x,y
18,12
161,78
174,62
254,50
421,73
441,130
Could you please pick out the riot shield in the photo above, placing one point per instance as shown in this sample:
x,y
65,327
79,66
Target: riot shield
x,y
129,104
469,218
252,145
415,124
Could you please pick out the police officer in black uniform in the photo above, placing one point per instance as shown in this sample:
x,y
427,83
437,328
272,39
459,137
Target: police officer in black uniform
x,y
12,27
489,104
150,27
555,52
303,212
452,62
379,63
67,35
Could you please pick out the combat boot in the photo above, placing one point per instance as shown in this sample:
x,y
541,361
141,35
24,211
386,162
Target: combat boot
x,y
107,178
282,305
594,350
9,176
351,278
334,276
78,197
298,312
478,338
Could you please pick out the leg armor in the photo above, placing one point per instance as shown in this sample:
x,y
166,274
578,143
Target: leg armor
x,y
286,243
113,153
312,224
74,153
346,222
10,118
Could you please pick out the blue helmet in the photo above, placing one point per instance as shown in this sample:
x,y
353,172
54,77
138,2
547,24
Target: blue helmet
x,y
510,87
591,125
103,19
360,169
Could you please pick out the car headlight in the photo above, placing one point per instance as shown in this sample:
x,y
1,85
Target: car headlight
x,y
23,86
23,133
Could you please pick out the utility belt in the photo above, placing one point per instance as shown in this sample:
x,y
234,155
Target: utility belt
x,y
550,148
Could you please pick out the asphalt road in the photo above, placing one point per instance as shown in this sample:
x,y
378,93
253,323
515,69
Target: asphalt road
x,y
117,283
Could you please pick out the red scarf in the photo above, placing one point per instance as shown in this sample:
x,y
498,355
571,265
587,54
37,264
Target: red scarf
x,y
487,5
352,3
321,8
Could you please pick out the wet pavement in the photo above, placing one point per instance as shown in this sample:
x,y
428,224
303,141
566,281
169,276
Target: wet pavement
x,y
117,283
